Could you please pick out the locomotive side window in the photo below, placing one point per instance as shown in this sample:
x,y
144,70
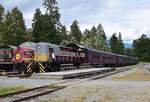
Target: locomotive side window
x,y
28,53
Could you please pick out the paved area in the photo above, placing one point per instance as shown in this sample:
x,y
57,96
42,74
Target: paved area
x,y
71,73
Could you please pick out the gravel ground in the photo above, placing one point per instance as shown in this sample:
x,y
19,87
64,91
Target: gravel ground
x,y
27,83
103,90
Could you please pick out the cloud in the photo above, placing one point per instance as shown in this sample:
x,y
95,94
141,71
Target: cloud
x,y
130,17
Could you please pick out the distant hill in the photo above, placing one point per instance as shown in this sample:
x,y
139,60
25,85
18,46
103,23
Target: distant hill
x,y
128,45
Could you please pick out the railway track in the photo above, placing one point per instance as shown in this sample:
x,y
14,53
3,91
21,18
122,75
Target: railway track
x,y
43,90
19,75
33,92
8,73
110,73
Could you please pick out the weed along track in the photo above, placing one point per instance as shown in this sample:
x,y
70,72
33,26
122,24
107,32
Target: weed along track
x,y
30,93
34,92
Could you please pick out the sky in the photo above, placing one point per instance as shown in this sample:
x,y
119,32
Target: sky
x,y
130,17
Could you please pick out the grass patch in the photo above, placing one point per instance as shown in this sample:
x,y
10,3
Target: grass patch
x,y
7,90
138,74
54,86
44,101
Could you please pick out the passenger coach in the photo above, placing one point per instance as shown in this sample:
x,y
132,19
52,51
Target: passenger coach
x,y
6,55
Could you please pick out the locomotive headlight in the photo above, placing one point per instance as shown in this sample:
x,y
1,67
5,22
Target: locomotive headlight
x,y
18,56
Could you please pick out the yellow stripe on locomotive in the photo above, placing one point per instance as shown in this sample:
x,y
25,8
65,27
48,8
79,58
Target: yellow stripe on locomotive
x,y
41,57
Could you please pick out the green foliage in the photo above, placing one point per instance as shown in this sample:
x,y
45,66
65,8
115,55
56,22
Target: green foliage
x,y
43,29
63,33
101,38
95,38
13,29
18,25
64,37
142,48
120,44
37,26
1,22
75,32
116,44
29,36
1,13
52,10
129,52
8,36
46,27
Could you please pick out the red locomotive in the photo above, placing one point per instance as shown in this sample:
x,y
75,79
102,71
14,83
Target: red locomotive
x,y
23,56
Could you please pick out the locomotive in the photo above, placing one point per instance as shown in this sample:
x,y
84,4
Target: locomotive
x,y
6,55
44,57
23,56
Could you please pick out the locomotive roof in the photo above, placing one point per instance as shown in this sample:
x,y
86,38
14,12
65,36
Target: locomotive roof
x,y
28,44
45,43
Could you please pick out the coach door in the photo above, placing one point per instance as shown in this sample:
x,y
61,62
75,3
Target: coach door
x,y
50,54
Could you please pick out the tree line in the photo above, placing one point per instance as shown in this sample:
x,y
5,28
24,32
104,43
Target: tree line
x,y
46,27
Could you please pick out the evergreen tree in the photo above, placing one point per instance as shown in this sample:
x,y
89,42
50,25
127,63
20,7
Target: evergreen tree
x,y
18,26
141,48
94,38
14,29
52,10
114,43
29,36
102,37
1,13
75,31
52,21
63,34
101,32
89,38
120,44
1,22
86,38
8,35
129,52
37,26
43,30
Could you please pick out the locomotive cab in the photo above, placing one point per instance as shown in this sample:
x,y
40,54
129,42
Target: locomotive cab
x,y
45,56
